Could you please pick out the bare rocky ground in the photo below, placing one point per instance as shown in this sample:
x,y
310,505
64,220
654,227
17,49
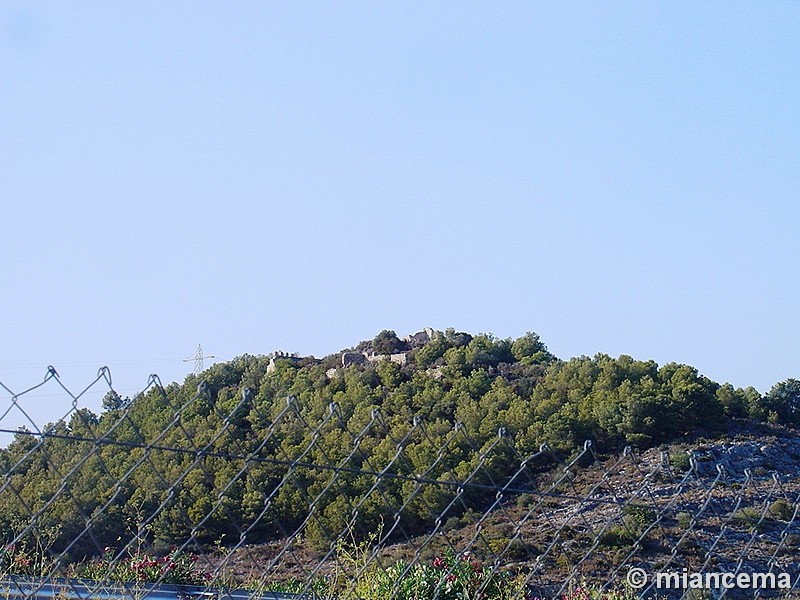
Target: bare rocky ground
x,y
726,503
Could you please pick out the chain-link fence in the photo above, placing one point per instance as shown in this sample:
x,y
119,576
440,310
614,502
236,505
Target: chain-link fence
x,y
216,493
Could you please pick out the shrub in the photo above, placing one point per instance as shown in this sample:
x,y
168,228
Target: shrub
x,y
448,577
748,516
639,514
615,536
587,592
684,520
680,461
781,509
19,559
141,567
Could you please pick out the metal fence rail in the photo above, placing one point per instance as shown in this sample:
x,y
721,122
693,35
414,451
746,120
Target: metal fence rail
x,y
76,589
219,495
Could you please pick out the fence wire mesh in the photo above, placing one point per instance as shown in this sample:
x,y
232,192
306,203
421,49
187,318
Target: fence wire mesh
x,y
218,493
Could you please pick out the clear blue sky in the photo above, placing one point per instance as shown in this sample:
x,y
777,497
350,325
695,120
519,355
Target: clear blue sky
x,y
619,177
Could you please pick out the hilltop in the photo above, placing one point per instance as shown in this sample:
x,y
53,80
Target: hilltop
x,y
520,385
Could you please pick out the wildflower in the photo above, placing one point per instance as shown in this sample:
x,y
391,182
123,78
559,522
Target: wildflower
x,y
439,563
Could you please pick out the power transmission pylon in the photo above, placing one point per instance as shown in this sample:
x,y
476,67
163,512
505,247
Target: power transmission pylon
x,y
198,357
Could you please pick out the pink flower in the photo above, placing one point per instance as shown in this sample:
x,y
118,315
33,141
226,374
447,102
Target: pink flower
x,y
439,563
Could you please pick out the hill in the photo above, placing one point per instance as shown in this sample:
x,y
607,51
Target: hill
x,y
420,434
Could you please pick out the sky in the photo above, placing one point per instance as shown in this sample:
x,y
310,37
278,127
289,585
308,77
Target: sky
x,y
619,177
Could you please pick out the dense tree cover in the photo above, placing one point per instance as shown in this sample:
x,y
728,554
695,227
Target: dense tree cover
x,y
225,456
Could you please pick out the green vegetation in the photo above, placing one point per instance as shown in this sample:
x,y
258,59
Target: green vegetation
x,y
782,510
131,567
680,461
748,517
684,520
172,464
449,578
141,567
454,577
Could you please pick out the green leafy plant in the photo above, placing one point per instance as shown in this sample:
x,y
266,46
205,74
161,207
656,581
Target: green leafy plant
x,y
680,461
588,592
781,509
748,517
684,520
20,559
141,567
615,536
449,577
638,516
